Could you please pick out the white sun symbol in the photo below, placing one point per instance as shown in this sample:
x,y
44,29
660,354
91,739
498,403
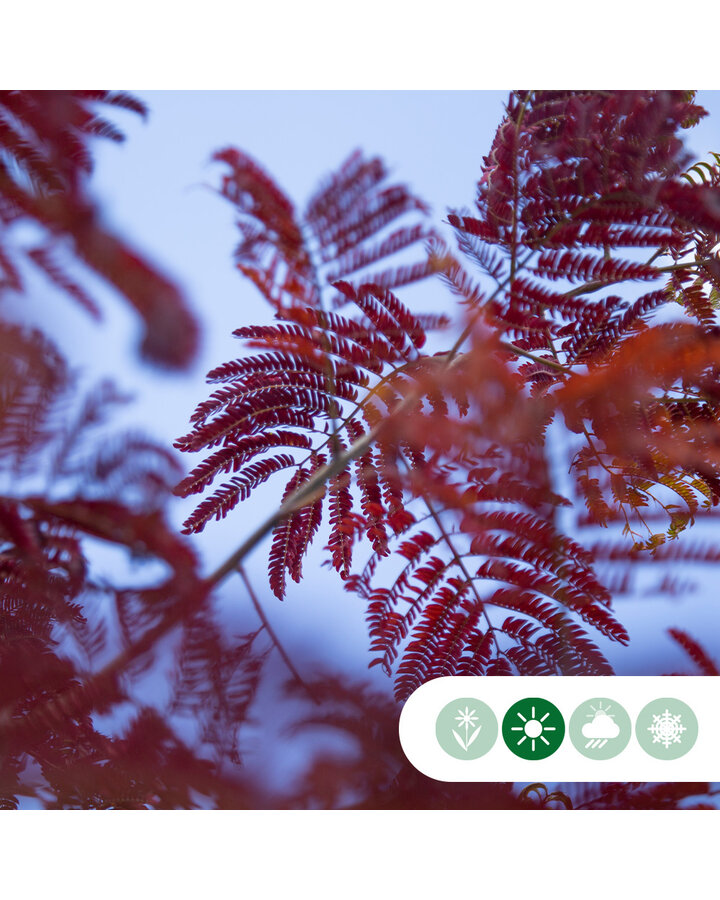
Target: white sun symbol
x,y
533,729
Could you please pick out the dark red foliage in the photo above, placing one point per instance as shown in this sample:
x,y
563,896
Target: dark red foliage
x,y
592,334
583,199
44,166
61,657
317,364
72,643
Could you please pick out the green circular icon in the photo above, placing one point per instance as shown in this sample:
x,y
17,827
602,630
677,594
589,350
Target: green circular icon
x,y
533,728
466,728
666,728
600,728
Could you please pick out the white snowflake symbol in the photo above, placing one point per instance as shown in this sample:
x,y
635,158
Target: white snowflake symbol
x,y
666,729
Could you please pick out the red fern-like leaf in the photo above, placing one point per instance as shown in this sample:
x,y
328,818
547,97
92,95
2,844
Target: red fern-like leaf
x,y
321,378
44,162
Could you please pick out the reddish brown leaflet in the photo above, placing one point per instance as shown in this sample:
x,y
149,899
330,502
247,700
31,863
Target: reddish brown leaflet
x,y
435,464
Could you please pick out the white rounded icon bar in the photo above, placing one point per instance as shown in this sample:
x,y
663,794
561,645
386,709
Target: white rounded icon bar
x,y
422,729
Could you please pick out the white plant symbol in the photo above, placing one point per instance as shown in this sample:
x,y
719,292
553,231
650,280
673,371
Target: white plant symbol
x,y
666,729
468,719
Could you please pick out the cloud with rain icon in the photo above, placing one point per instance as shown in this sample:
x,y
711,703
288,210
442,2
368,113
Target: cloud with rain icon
x,y
601,729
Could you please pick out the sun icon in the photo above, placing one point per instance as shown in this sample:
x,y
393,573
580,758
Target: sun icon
x,y
533,728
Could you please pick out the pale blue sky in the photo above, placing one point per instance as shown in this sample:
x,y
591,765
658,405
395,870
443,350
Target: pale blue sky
x,y
154,189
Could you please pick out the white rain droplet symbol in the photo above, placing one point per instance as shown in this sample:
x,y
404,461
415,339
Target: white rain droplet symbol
x,y
601,729
666,729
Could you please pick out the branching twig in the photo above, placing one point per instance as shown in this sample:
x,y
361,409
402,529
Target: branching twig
x,y
273,636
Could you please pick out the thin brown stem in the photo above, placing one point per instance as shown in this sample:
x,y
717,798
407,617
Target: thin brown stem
x,y
591,286
273,635
458,560
550,363
303,495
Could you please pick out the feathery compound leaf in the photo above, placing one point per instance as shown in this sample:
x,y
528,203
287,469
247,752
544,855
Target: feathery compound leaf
x,y
586,229
292,537
483,540
320,378
695,651
44,163
237,489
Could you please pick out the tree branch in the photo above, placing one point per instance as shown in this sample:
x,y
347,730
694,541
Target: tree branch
x,y
273,636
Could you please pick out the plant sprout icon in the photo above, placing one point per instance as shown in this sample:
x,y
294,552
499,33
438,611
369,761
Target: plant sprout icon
x,y
533,729
602,728
466,728
468,719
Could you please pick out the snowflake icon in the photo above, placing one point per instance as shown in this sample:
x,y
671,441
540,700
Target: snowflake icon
x,y
667,729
